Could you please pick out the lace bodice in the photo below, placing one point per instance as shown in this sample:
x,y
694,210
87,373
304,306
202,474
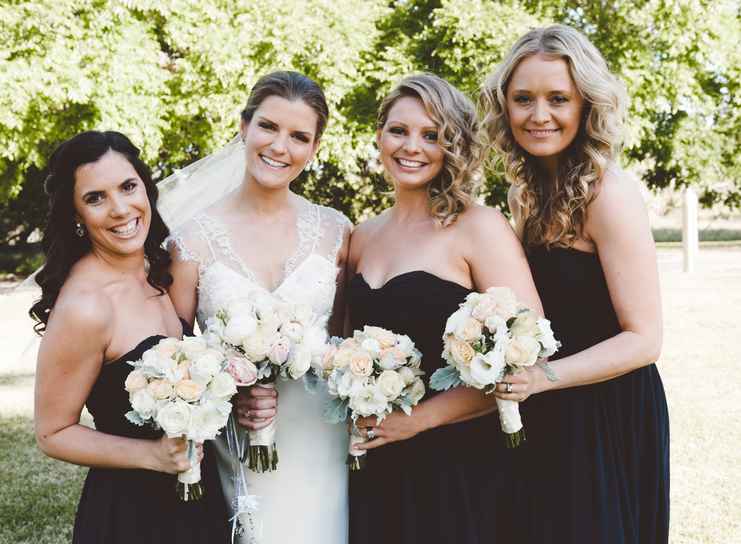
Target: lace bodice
x,y
309,274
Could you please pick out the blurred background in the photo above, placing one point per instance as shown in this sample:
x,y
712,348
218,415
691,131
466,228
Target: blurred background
x,y
174,74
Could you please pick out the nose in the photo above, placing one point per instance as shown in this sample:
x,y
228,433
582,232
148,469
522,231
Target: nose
x,y
119,206
279,143
413,143
541,113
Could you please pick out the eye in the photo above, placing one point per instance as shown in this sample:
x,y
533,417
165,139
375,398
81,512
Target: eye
x,y
521,99
430,136
559,99
266,125
397,130
93,198
301,137
129,186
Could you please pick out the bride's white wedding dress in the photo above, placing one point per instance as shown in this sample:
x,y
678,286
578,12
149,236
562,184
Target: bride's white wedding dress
x,y
305,500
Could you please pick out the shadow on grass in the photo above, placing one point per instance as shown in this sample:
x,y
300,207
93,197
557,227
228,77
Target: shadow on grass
x,y
38,495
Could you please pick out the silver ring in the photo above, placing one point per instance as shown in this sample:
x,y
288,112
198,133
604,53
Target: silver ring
x,y
371,434
507,387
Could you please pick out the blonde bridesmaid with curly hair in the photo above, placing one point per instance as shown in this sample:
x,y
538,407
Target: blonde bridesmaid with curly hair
x,y
411,267
597,455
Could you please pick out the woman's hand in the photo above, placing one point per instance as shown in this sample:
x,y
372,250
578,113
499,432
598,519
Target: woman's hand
x,y
395,427
519,385
171,455
256,406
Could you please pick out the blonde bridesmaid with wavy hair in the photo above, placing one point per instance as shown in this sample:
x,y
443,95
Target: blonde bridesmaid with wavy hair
x,y
597,456
410,267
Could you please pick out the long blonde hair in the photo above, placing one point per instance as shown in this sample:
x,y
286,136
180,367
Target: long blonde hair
x,y
458,135
554,211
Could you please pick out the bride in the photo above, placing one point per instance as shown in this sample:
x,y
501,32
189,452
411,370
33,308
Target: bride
x,y
246,230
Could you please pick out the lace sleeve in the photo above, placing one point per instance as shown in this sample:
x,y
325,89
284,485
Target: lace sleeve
x,y
189,243
335,228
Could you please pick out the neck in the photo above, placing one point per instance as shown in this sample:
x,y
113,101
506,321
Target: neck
x,y
410,205
256,199
131,266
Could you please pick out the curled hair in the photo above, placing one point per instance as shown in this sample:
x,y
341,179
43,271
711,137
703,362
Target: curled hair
x,y
290,86
455,116
554,210
62,247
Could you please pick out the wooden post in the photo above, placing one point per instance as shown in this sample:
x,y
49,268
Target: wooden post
x,y
690,243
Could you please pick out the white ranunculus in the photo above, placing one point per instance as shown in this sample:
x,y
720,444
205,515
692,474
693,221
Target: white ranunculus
x,y
546,338
205,423
384,337
348,385
238,328
465,374
174,418
372,346
496,325
487,369
222,385
369,401
522,351
390,384
206,365
135,381
525,324
143,403
456,319
299,362
416,391
407,375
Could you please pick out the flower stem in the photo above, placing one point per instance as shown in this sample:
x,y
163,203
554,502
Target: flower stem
x,y
514,440
189,492
356,462
262,458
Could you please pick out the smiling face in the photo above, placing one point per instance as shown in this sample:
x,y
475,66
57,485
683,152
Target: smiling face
x,y
408,144
544,106
111,201
280,140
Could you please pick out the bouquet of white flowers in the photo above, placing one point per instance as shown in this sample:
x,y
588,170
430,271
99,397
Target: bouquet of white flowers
x,y
368,375
183,388
266,338
490,335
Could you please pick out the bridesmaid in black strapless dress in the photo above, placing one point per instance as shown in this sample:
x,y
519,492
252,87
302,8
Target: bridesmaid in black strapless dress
x,y
132,505
599,453
427,488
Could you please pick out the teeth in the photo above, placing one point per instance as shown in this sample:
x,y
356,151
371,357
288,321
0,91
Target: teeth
x,y
128,228
271,162
410,164
542,132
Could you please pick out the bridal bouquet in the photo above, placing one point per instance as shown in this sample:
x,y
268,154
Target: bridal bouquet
x,y
369,375
266,338
183,388
489,336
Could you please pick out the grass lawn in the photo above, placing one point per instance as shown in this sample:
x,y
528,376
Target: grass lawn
x,y
39,495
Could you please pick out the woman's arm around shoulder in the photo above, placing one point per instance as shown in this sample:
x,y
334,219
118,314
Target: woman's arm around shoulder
x,y
70,359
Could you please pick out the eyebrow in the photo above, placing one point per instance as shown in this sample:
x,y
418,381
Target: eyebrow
x,y
428,127
307,134
528,91
97,192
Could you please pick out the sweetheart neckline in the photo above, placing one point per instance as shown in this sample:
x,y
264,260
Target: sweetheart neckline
x,y
183,330
410,272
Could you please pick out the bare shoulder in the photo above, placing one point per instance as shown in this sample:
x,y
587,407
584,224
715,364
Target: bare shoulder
x,y
619,199
480,221
82,308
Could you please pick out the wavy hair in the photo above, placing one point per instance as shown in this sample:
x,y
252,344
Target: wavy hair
x,y
455,116
62,247
555,209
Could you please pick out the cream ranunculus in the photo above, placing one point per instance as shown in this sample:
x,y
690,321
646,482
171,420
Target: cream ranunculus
x,y
361,364
522,351
143,403
384,337
222,385
242,370
462,352
135,381
189,390
160,389
468,330
174,418
390,384
525,324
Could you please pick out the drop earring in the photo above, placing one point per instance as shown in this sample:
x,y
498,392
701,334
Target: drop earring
x,y
79,230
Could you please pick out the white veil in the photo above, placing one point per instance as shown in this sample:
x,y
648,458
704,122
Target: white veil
x,y
187,192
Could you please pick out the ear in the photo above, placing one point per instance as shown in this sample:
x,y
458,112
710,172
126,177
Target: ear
x,y
379,131
242,129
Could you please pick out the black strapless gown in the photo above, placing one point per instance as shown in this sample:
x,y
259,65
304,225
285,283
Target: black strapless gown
x,y
597,455
443,485
130,505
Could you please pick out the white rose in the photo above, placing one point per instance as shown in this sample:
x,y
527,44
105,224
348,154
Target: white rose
x,y
372,346
299,363
506,302
206,365
361,364
167,347
293,330
135,381
468,330
416,391
255,347
206,422
222,385
525,324
238,328
384,337
174,418
487,369
160,389
189,390
407,375
349,385
456,319
404,344
193,346
162,365
461,352
343,356
369,401
391,358
468,379
143,403
522,351
390,384
546,338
